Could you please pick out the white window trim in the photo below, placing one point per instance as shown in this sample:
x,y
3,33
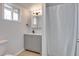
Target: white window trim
x,y
14,7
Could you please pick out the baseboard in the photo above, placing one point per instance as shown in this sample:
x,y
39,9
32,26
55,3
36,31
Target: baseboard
x,y
19,52
32,51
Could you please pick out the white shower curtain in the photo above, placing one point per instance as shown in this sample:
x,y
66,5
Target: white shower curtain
x,y
60,29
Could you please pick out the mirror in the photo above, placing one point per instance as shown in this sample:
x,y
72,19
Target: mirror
x,y
36,22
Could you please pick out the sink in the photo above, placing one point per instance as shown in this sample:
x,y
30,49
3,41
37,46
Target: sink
x,y
33,33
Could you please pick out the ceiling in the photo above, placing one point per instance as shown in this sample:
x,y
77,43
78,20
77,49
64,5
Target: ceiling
x,y
52,4
26,5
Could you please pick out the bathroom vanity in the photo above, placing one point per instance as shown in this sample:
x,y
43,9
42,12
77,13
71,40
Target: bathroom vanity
x,y
33,42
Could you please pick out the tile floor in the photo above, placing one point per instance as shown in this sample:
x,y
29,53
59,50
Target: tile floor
x,y
28,53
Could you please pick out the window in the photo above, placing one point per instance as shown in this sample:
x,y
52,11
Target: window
x,y
7,14
15,15
11,13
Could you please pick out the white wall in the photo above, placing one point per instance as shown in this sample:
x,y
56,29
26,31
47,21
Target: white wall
x,y
77,41
30,18
14,31
44,32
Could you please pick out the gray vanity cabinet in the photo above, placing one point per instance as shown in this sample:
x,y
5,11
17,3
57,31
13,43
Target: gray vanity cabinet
x,y
33,42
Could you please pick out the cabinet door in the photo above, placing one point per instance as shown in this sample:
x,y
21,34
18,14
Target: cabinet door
x,y
32,42
28,42
37,43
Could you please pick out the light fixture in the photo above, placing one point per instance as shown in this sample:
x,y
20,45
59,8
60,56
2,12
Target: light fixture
x,y
36,10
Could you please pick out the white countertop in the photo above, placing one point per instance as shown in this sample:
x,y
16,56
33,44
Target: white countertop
x,y
33,34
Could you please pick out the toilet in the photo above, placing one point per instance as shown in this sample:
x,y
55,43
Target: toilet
x,y
3,47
